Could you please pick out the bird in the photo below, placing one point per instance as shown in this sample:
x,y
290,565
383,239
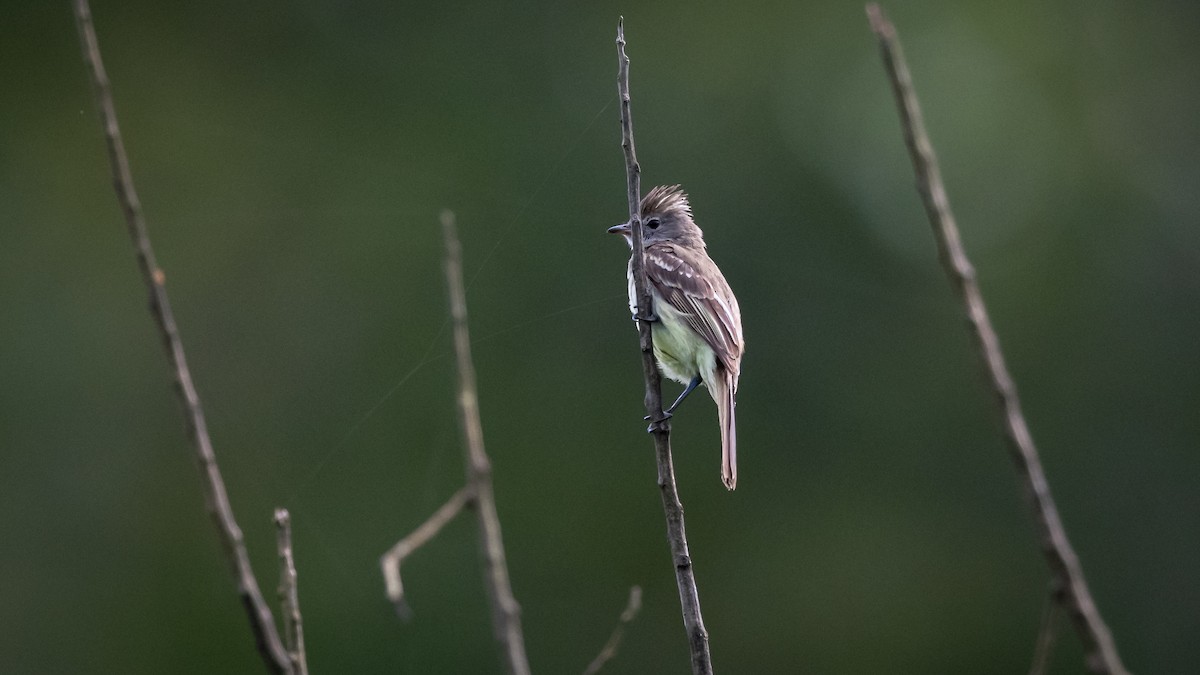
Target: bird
x,y
696,324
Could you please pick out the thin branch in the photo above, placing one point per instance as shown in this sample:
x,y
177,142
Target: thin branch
x,y
478,491
1101,652
506,613
395,556
289,596
614,641
689,597
261,622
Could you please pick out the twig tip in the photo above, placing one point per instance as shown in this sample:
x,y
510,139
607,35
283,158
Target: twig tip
x,y
879,21
449,231
403,610
635,604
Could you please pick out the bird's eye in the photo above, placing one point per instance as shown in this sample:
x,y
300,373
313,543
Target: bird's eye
x,y
653,223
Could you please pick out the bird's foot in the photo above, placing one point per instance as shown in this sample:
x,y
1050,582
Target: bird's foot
x,y
655,424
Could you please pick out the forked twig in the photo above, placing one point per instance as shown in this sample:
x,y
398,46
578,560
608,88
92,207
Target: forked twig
x,y
685,578
1101,652
289,594
266,635
506,613
614,641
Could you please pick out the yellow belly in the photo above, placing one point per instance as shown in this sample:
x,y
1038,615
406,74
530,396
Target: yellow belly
x,y
681,352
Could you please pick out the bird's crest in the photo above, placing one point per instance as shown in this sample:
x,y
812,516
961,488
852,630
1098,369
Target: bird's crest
x,y
666,199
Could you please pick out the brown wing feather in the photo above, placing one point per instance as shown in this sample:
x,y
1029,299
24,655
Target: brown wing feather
x,y
691,282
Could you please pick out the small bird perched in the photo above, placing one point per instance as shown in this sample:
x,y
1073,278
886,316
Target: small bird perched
x,y
697,326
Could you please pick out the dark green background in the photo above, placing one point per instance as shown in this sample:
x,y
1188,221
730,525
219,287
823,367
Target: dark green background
x,y
293,157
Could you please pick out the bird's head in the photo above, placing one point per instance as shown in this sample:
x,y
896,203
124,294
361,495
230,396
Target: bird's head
x,y
666,216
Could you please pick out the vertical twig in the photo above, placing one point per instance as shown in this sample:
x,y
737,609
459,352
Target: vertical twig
x,y
261,622
614,641
289,595
689,597
1101,652
478,491
506,613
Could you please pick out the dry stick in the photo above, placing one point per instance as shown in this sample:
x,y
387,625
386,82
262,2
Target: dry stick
x,y
1101,652
614,641
289,595
261,622
506,613
395,556
660,427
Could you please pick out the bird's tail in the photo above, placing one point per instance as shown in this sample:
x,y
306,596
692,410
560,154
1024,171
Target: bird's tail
x,y
725,395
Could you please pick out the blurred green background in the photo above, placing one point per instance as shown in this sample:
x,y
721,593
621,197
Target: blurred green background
x,y
293,157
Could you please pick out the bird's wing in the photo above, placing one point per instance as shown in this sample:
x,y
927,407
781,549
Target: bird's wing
x,y
691,283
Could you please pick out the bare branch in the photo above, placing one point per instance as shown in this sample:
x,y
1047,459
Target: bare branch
x,y
1064,564
289,596
689,597
261,622
395,556
614,641
506,613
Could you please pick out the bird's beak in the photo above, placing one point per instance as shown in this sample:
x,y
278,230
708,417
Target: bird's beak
x,y
625,231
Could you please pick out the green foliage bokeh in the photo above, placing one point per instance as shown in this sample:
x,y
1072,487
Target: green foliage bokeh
x,y
292,159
